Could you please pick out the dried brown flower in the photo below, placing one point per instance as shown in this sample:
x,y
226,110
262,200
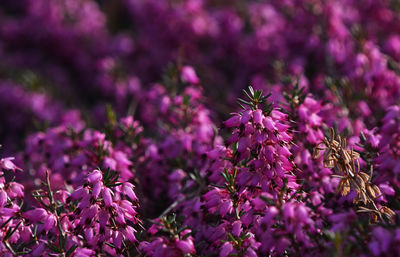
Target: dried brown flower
x,y
387,212
346,165
371,191
344,186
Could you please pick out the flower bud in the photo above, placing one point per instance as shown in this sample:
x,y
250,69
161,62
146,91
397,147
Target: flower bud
x,y
95,176
106,193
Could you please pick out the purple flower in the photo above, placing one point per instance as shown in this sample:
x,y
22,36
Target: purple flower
x,y
189,75
106,193
186,246
226,249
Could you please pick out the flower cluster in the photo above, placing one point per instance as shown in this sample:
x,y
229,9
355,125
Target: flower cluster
x,y
127,139
11,196
172,240
97,217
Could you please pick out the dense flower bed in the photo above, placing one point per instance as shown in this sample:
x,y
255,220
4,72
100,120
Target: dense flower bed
x,y
129,128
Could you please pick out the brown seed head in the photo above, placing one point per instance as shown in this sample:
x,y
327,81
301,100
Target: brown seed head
x,y
360,182
373,217
371,191
316,153
387,212
364,176
344,186
377,190
361,197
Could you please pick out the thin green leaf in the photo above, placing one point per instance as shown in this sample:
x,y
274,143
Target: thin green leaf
x,y
11,231
71,250
247,94
251,90
231,237
240,100
109,244
182,229
54,248
5,223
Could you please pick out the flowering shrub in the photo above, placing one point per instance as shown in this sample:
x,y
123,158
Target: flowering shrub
x,y
126,140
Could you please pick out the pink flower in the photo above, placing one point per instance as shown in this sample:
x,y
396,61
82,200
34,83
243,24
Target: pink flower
x,y
269,124
186,246
189,75
15,190
236,228
127,189
49,222
106,193
7,164
257,116
129,233
103,218
3,198
226,207
226,249
95,177
233,121
36,215
97,187
84,252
